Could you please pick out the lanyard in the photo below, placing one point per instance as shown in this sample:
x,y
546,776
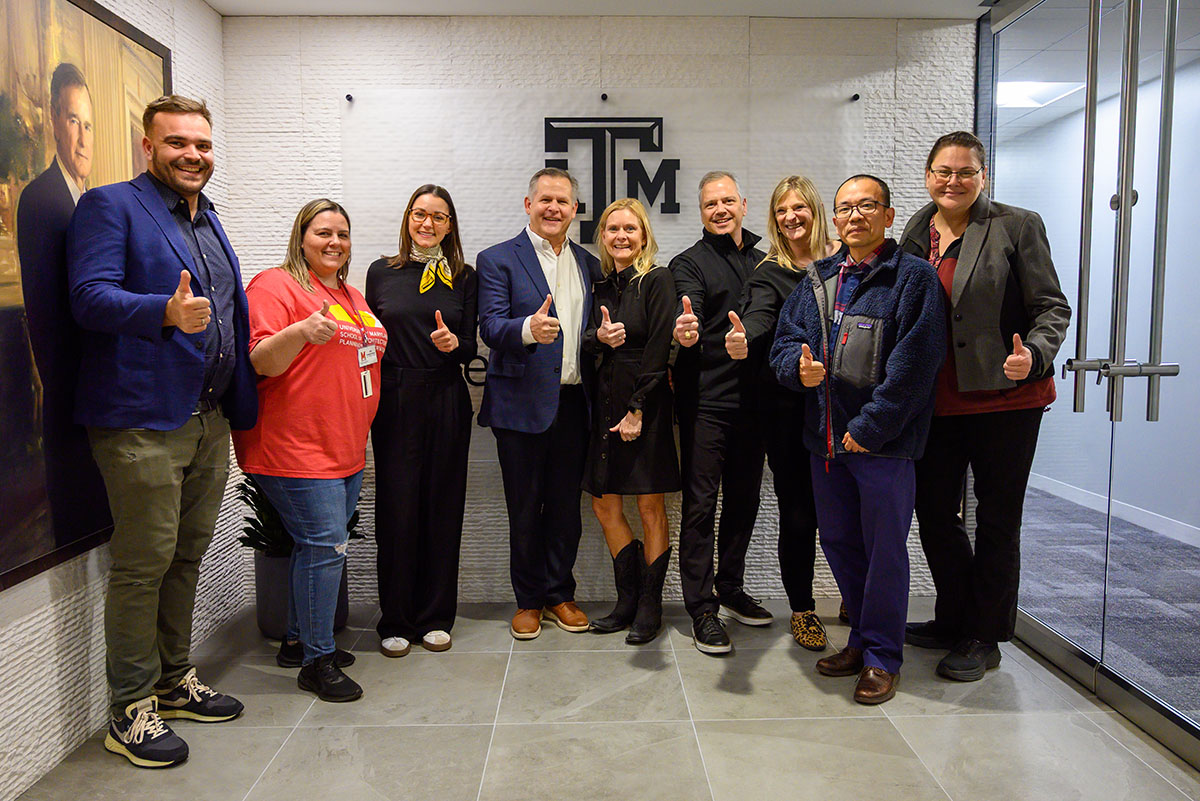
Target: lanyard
x,y
353,313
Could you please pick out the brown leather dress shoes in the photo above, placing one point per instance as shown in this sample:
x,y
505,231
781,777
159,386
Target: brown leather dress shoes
x,y
875,685
526,624
846,662
567,616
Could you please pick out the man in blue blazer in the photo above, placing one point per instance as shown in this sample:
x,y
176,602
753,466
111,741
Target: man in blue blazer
x,y
535,295
165,372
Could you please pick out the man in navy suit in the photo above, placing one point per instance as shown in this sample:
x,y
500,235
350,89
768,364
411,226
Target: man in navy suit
x,y
73,487
165,372
535,292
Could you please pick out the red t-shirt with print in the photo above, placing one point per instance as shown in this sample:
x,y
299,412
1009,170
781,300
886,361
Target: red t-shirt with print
x,y
313,420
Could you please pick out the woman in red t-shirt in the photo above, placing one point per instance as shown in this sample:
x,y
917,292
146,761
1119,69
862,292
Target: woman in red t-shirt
x,y
317,349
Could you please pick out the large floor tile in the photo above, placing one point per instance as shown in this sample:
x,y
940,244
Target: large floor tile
x,y
223,764
438,688
1079,697
821,760
1063,756
764,683
407,763
1150,751
592,686
594,761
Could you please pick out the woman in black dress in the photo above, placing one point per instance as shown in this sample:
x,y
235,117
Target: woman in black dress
x,y
425,296
632,448
798,231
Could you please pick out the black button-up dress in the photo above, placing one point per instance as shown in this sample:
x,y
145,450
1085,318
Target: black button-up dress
x,y
630,377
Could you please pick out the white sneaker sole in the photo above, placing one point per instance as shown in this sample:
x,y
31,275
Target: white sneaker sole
x,y
524,635
711,649
746,621
117,747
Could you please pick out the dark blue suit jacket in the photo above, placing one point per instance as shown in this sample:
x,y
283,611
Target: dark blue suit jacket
x,y
124,256
521,393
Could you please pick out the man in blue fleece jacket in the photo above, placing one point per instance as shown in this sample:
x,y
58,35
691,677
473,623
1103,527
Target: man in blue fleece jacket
x,y
864,337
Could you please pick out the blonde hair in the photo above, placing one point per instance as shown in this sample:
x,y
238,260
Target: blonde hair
x,y
644,262
818,235
294,262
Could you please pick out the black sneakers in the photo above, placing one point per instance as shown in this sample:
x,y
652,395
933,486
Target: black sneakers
x,y
708,635
929,635
744,609
327,680
140,736
291,655
194,700
969,660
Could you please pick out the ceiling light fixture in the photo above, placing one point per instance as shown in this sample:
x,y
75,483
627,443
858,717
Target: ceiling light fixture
x,y
1033,94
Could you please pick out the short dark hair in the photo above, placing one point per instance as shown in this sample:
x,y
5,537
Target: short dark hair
x,y
957,139
887,193
554,172
65,76
174,104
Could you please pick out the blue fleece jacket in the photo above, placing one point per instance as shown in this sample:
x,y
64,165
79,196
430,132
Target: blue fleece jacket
x,y
879,378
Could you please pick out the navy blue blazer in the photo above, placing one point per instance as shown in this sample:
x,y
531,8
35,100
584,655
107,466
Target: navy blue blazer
x,y
522,387
124,256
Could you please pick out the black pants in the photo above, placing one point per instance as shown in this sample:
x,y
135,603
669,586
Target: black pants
x,y
976,591
781,421
542,473
718,450
420,438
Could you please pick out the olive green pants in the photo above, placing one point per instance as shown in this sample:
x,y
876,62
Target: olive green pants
x,y
164,490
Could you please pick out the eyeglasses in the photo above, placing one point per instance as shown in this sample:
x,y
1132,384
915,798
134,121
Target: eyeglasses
x,y
965,174
864,207
420,216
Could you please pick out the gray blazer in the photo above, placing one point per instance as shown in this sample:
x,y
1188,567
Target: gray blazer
x,y
1004,284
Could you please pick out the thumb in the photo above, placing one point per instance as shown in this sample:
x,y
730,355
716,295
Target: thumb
x,y
1017,346
604,315
545,308
437,318
185,283
805,354
324,308
687,305
737,322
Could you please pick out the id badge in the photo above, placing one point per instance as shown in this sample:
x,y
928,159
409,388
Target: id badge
x,y
367,356
367,389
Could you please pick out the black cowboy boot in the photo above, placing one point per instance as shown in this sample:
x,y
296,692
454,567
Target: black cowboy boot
x,y
649,610
627,570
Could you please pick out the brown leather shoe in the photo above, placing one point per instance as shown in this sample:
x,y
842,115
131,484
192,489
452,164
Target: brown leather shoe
x,y
567,616
846,662
526,624
875,685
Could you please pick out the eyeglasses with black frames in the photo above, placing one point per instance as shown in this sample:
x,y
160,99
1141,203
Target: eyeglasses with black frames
x,y
865,208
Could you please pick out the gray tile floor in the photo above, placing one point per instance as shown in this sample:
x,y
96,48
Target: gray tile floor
x,y
579,717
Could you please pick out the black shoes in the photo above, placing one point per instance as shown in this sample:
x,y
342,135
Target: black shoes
x,y
627,571
969,660
744,609
192,699
648,621
327,680
140,736
708,635
291,655
929,635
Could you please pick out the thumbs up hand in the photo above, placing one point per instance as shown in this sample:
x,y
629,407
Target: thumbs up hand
x,y
185,311
1018,365
443,338
735,341
543,327
812,372
317,328
610,333
687,325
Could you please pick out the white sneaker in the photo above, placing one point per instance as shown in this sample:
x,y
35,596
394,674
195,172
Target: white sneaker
x,y
436,640
394,646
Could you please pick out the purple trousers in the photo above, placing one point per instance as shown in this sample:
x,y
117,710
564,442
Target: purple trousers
x,y
864,511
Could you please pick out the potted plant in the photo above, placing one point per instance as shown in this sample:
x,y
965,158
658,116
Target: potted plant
x,y
272,544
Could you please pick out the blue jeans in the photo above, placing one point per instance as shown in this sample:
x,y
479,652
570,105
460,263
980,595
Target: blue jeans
x,y
315,512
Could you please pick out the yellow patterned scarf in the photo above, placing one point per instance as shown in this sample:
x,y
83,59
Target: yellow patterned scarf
x,y
437,268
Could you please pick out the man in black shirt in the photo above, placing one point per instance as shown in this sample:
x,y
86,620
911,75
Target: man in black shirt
x,y
719,444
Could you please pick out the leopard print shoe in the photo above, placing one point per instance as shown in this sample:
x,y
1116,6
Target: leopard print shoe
x,y
808,631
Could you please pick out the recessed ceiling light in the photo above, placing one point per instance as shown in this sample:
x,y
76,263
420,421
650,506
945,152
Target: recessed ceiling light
x,y
1033,94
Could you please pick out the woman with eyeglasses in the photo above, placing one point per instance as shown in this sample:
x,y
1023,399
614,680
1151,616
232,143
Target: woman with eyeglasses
x,y
798,232
1006,318
425,296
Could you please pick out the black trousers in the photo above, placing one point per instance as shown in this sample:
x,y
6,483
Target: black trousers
x,y
719,450
542,474
976,590
420,438
781,421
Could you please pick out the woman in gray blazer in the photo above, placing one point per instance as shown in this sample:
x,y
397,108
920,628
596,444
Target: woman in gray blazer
x,y
1006,319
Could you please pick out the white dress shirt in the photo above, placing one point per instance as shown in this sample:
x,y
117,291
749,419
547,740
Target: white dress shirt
x,y
562,276
76,192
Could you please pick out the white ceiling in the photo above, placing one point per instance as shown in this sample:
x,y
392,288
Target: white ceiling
x,y
902,9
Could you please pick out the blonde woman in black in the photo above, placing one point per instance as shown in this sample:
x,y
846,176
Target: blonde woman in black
x,y
632,448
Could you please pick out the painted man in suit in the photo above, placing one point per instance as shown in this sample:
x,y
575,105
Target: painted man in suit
x,y
73,487
164,374
535,291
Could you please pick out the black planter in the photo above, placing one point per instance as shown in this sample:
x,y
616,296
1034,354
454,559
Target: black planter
x,y
271,596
